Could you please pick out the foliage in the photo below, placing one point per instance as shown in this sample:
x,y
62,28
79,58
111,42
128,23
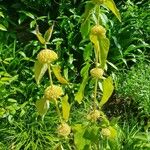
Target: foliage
x,y
134,85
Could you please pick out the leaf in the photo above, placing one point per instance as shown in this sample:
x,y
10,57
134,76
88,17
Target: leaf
x,y
113,132
28,14
111,5
85,19
57,72
80,141
88,52
59,147
65,107
39,35
42,106
39,71
84,73
101,47
48,33
3,28
107,90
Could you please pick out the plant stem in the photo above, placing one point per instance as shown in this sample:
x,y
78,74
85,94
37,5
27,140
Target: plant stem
x,y
95,94
50,75
58,111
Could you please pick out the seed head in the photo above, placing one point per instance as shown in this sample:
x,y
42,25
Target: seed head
x,y
64,129
47,56
97,72
53,92
98,30
94,115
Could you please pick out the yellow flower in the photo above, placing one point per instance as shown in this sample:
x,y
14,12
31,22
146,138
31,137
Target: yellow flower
x,y
53,92
106,132
97,72
98,30
94,115
64,129
47,56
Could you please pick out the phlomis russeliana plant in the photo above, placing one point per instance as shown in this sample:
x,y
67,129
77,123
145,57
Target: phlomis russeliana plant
x,y
87,135
46,59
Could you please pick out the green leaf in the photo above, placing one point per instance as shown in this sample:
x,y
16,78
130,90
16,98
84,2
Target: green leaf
x,y
111,5
59,147
3,28
80,141
39,35
113,132
57,72
39,71
42,106
85,74
85,19
28,14
65,107
48,33
101,47
107,90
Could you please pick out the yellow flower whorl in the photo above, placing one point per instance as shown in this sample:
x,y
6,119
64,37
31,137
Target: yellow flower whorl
x,y
47,56
97,72
53,92
98,30
64,129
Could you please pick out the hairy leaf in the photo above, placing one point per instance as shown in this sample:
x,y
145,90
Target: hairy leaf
x,y
107,90
111,5
39,71
65,107
57,72
42,106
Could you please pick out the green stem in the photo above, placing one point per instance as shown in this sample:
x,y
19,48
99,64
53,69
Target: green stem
x,y
45,46
58,111
95,94
50,74
98,13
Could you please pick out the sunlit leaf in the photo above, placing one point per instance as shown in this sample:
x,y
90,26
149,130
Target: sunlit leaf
x,y
48,33
107,90
101,47
65,107
42,106
39,71
85,20
57,72
113,132
111,5
28,14
39,35
80,141
3,28
84,73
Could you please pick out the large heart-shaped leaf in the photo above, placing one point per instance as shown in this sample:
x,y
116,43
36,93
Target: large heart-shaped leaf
x,y
111,5
65,107
57,72
42,106
107,90
85,74
85,19
101,47
39,71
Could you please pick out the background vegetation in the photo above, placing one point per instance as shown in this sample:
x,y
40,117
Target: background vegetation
x,y
20,125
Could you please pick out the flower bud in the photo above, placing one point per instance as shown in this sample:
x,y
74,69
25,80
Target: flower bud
x,y
53,92
97,72
94,115
98,30
64,129
47,56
